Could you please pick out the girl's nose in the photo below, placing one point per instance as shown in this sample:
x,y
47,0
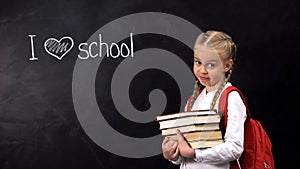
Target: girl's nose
x,y
202,69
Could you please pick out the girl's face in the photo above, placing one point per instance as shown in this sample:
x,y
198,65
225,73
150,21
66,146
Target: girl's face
x,y
208,67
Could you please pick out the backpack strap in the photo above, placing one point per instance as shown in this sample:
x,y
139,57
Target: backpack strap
x,y
223,103
190,100
189,103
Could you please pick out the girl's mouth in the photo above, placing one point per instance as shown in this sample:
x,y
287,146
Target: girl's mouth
x,y
204,78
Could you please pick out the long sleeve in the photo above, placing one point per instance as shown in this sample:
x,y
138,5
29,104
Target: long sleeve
x,y
232,148
178,161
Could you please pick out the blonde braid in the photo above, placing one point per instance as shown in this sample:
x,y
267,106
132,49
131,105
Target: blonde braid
x,y
196,90
217,94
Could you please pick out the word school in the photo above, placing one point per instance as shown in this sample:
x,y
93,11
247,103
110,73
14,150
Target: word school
x,y
123,50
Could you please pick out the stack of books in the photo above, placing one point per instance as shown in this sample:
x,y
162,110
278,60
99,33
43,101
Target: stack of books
x,y
200,128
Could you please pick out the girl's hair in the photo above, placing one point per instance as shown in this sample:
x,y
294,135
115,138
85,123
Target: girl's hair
x,y
225,47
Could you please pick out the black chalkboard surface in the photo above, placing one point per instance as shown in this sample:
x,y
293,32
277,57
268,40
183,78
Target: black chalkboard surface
x,y
64,105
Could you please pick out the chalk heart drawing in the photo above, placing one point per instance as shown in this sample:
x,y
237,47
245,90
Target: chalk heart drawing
x,y
59,48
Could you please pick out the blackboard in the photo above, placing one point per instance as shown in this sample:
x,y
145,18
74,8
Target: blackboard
x,y
40,126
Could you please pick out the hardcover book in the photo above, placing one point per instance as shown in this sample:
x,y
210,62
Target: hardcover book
x,y
191,128
205,144
189,120
200,135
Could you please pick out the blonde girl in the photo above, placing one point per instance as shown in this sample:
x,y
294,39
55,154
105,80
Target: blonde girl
x,y
214,57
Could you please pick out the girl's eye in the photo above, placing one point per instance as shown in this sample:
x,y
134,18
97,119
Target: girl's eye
x,y
210,65
197,62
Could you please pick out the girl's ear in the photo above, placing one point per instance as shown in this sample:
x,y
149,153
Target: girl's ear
x,y
228,65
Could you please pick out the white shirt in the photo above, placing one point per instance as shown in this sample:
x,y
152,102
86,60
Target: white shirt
x,y
218,157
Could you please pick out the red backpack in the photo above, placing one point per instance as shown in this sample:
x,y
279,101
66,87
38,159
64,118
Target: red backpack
x,y
257,152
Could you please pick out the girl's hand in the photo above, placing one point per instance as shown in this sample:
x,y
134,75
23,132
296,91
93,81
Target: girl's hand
x,y
170,150
184,148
